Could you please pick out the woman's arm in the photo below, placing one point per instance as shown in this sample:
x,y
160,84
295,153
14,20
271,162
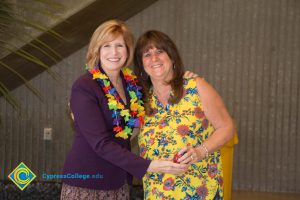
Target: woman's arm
x,y
90,122
217,114
135,133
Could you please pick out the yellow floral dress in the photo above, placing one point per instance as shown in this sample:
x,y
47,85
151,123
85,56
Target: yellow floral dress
x,y
168,130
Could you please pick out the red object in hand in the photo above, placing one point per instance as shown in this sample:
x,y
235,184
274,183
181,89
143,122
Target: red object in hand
x,y
176,157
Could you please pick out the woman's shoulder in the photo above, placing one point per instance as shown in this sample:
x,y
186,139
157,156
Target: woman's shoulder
x,y
192,82
84,79
85,82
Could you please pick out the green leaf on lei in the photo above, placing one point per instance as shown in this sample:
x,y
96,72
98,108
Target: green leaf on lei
x,y
126,117
128,130
106,83
112,105
132,95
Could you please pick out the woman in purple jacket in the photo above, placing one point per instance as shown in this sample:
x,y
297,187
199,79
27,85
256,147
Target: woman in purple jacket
x,y
106,103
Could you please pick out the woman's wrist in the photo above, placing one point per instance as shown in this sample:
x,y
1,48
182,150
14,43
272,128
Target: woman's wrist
x,y
204,147
202,150
150,167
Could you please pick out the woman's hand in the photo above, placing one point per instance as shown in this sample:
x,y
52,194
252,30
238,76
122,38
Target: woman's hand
x,y
167,166
189,74
191,155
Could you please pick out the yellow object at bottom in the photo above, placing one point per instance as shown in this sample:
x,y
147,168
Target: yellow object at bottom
x,y
227,160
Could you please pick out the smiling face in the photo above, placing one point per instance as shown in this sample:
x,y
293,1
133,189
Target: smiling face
x,y
157,64
113,54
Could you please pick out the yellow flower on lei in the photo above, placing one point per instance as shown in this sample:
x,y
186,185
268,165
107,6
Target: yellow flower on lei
x,y
99,75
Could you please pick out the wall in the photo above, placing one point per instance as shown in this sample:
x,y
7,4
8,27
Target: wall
x,y
248,50
44,14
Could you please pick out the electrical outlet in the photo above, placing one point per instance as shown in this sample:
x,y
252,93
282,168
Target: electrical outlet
x,y
47,133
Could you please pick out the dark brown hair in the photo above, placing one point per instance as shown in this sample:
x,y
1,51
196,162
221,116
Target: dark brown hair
x,y
160,40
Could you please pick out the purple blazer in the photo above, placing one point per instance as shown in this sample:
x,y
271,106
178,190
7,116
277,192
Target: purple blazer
x,y
95,149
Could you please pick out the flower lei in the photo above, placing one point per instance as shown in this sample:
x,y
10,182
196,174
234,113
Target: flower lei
x,y
135,116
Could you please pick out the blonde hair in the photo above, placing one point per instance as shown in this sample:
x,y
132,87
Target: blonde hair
x,y
107,32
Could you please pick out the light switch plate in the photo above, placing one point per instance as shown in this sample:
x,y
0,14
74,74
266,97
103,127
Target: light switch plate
x,y
47,133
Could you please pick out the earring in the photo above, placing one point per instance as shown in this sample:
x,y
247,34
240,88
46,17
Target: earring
x,y
174,66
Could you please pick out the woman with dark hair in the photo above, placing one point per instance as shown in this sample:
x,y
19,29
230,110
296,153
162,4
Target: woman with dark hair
x,y
185,119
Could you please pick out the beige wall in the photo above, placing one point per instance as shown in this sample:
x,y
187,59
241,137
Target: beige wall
x,y
248,50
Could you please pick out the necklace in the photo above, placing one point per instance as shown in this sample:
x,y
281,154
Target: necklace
x,y
164,98
132,117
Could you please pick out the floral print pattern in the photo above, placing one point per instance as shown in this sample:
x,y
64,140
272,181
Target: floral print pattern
x,y
168,130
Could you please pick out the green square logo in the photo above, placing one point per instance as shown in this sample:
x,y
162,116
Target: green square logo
x,y
22,176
